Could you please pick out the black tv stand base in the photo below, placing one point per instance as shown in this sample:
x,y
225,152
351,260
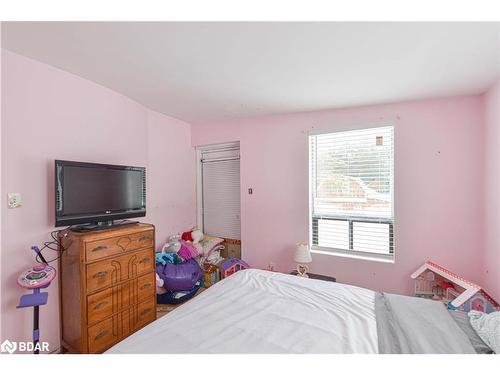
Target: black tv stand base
x,y
102,225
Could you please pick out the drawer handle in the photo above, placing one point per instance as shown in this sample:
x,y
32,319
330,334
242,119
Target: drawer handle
x,y
146,286
100,304
145,311
100,274
144,238
101,335
144,260
100,247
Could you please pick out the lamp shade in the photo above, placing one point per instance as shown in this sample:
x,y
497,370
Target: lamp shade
x,y
302,253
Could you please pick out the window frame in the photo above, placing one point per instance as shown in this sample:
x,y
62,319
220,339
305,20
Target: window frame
x,y
200,150
351,253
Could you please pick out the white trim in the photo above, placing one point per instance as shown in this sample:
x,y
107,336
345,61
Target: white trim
x,y
310,190
220,159
353,254
228,146
219,146
374,125
199,190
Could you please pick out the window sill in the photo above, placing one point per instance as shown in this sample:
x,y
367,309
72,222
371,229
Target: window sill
x,y
345,254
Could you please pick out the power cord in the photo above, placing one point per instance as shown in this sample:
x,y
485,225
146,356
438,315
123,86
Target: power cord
x,y
55,245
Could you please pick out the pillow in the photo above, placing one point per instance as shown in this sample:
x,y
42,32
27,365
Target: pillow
x,y
463,322
209,243
487,326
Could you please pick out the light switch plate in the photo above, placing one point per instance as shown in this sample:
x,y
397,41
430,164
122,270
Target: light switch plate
x,y
14,200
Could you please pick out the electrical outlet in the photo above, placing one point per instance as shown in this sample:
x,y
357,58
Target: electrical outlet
x,y
14,200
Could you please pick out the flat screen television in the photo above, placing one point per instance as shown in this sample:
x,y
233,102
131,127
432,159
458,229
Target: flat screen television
x,y
97,194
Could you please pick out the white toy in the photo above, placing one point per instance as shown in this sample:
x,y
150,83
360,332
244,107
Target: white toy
x,y
436,282
197,235
159,285
172,245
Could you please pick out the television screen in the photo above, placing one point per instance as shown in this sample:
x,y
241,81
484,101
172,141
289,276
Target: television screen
x,y
91,193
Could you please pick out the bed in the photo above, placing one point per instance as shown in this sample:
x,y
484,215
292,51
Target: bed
x,y
255,311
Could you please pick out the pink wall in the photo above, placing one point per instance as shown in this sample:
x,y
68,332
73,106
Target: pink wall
x,y
49,114
491,265
438,186
171,176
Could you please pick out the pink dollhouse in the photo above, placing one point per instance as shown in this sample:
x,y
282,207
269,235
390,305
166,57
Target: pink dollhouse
x,y
436,282
232,265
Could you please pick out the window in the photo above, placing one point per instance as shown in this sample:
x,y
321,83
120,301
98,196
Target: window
x,y
351,187
219,190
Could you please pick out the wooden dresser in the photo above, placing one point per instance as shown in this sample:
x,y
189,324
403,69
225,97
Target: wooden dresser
x,y
106,285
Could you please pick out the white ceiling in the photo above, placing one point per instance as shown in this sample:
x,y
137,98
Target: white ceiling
x,y
215,71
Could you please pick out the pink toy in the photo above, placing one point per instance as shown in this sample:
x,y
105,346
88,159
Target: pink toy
x,y
434,281
187,250
232,265
37,277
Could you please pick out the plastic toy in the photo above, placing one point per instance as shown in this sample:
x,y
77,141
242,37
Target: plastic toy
x,y
212,274
232,265
36,278
182,276
436,282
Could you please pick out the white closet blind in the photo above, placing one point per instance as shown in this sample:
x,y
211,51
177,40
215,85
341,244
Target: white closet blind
x,y
221,194
352,175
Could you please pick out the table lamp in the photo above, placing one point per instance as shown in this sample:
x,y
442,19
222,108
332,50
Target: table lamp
x,y
302,255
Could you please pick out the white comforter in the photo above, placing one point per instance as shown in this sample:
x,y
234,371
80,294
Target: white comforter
x,y
256,311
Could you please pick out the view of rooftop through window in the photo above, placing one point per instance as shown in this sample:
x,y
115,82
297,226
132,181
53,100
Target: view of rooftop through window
x,y
354,172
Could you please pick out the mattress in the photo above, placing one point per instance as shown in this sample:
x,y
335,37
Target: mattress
x,y
255,311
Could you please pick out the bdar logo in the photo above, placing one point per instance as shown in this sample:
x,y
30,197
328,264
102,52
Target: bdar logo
x,y
8,346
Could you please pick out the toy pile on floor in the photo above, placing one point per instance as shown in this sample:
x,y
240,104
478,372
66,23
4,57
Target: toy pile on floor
x,y
188,262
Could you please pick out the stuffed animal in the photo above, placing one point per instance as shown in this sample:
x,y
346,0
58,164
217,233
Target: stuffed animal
x,y
197,235
186,236
187,250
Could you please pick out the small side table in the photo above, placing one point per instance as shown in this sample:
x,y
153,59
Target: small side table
x,y
316,276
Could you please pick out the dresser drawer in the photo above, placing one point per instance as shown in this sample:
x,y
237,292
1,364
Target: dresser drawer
x,y
113,246
103,335
146,312
108,247
103,304
127,322
100,305
109,272
146,286
143,239
104,274
145,261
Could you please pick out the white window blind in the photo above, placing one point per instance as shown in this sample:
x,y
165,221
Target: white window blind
x,y
221,193
352,176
